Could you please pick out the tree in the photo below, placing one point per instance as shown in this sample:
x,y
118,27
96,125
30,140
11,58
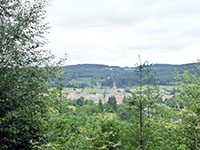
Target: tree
x,y
100,106
189,96
143,105
80,101
24,73
112,103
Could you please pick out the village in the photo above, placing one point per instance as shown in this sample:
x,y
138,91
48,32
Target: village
x,y
104,94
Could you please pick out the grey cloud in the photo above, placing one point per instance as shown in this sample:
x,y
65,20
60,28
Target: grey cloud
x,y
105,13
89,13
105,30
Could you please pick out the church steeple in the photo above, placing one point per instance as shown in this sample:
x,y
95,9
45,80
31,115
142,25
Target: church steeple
x,y
114,86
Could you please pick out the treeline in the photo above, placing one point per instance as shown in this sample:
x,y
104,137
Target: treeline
x,y
35,116
93,75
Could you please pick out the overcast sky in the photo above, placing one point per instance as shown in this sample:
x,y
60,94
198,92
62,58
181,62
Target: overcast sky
x,y
115,32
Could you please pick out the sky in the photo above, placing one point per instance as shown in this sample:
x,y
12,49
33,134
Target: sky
x,y
115,32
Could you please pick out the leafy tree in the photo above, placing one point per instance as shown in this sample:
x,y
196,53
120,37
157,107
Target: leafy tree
x,y
104,132
59,86
189,96
24,74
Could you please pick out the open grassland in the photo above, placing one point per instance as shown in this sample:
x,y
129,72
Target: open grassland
x,y
168,87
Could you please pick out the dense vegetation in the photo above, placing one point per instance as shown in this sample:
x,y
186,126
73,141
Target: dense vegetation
x,y
93,75
35,116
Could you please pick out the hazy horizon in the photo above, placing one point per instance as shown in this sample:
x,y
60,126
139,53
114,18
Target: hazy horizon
x,y
125,66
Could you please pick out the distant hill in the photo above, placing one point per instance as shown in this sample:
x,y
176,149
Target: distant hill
x,y
92,75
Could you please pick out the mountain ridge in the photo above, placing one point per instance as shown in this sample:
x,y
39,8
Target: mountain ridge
x,y
91,64
91,75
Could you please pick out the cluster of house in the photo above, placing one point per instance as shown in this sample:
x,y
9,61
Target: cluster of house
x,y
104,95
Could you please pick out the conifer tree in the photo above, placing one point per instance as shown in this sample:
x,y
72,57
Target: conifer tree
x,y
142,103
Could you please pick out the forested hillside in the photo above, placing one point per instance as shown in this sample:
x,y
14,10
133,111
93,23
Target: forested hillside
x,y
90,75
35,116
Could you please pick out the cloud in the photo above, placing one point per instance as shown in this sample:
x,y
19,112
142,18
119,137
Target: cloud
x,y
116,31
95,13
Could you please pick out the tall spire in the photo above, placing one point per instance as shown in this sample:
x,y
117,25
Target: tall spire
x,y
114,86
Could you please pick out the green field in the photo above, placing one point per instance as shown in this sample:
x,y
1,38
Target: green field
x,y
168,87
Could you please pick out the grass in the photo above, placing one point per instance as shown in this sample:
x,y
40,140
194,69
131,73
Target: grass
x,y
91,91
164,87
167,87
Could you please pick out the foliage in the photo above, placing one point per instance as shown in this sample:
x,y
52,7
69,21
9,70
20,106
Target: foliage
x,y
189,96
112,104
93,75
24,74
35,116
143,105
